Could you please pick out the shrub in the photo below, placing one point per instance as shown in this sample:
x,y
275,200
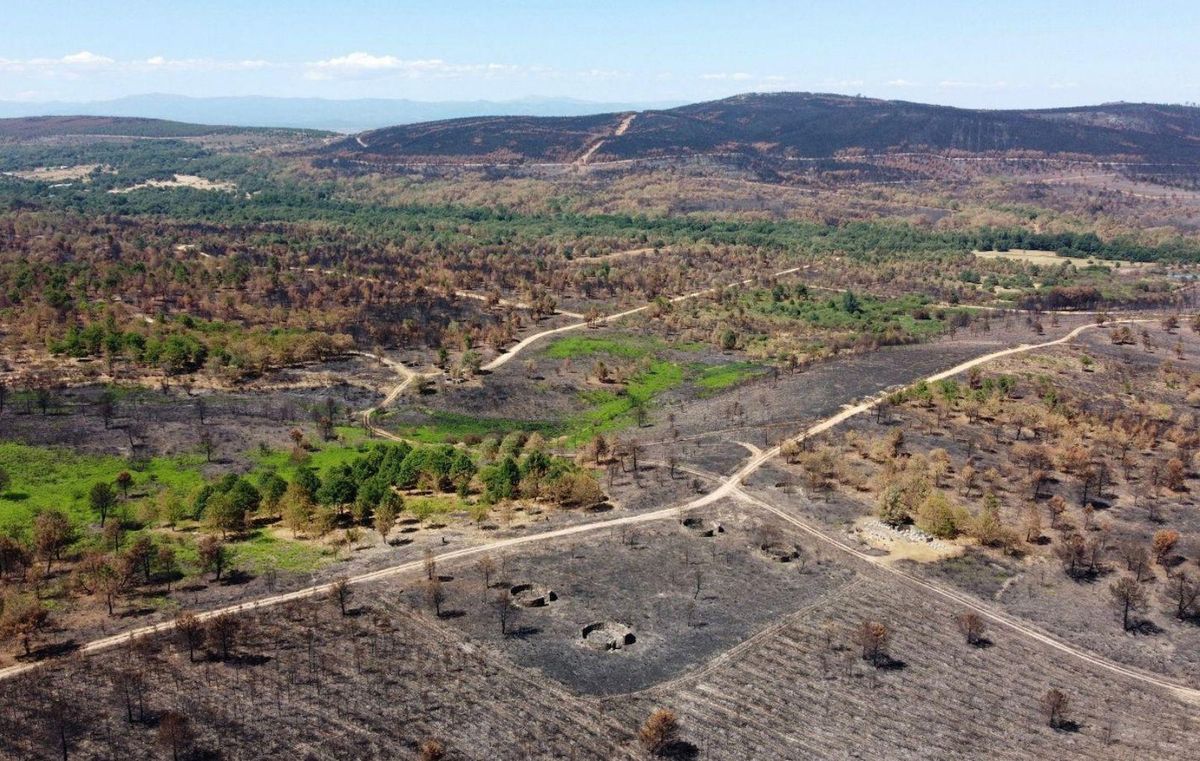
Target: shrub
x,y
938,517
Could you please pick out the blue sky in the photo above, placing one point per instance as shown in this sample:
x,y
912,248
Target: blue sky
x,y
983,54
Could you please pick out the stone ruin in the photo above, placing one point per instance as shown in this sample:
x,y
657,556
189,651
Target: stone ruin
x,y
702,527
780,552
607,636
531,595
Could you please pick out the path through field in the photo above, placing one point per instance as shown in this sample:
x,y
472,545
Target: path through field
x,y
529,340
621,129
729,488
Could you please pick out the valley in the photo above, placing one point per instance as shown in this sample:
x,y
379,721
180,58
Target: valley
x,y
804,418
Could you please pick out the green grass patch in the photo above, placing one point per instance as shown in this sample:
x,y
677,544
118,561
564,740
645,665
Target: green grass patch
x,y
714,378
446,426
621,345
351,443
424,508
261,551
611,411
52,477
625,346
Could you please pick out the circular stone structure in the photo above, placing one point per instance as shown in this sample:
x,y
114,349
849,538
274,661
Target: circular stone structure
x,y
703,527
780,553
607,636
531,595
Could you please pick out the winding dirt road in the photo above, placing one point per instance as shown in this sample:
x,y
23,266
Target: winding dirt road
x,y
729,488
621,129
520,346
409,376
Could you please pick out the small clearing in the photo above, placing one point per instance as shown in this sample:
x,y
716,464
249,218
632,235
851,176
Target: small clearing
x,y
180,181
1052,259
59,173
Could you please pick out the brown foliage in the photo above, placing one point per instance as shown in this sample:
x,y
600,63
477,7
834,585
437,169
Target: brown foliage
x,y
659,731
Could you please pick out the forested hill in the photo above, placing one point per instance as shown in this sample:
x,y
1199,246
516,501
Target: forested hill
x,y
32,127
790,125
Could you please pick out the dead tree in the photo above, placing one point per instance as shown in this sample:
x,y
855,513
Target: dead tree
x,y
435,595
340,592
504,610
970,625
1054,705
659,732
874,637
191,631
1128,597
221,633
174,733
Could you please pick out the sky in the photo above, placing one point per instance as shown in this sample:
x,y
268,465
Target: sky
x,y
1014,53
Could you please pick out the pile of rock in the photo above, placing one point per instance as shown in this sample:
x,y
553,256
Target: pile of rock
x,y
880,532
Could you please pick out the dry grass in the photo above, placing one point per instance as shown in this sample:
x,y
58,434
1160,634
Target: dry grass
x,y
1051,259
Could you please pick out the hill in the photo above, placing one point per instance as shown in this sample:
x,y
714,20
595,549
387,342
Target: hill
x,y
780,126
32,127
349,115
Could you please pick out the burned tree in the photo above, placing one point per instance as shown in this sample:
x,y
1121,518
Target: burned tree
x,y
191,631
1128,597
174,734
873,637
1054,706
221,633
340,593
659,732
970,625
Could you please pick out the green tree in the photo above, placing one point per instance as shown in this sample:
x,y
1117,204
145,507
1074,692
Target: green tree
x,y
937,516
307,479
224,514
338,489
102,498
500,481
892,508
387,512
370,494
297,508
272,488
850,303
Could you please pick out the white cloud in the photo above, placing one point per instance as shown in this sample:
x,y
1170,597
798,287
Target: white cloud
x,y
75,61
84,58
737,76
159,63
901,83
358,65
75,65
366,65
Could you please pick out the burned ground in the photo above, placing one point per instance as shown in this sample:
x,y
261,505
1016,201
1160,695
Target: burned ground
x,y
686,598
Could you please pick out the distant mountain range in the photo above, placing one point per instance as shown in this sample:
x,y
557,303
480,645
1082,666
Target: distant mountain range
x,y
311,113
782,126
773,129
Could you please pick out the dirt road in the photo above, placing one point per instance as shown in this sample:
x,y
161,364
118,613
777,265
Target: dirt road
x,y
621,129
409,376
511,303
729,488
517,348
